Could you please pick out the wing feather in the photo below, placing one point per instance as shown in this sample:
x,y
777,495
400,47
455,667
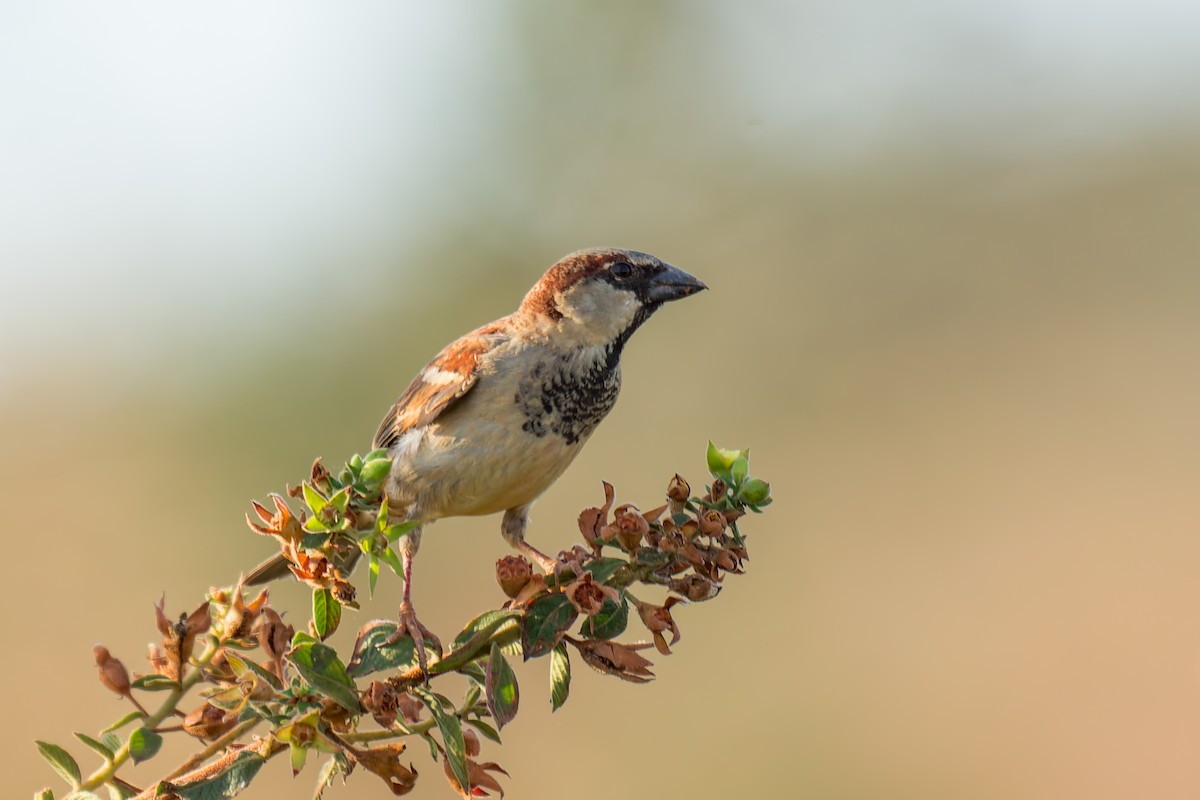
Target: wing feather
x,y
448,377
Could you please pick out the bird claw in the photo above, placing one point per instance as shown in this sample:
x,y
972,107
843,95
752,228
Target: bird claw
x,y
409,625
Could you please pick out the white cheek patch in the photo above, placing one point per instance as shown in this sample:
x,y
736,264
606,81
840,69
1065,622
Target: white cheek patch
x,y
595,312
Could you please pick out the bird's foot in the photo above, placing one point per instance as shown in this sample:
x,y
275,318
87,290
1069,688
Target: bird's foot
x,y
548,565
409,625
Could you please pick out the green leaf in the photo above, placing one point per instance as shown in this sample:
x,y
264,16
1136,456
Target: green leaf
x,y
144,744
100,747
123,721
394,532
545,620
472,670
390,558
44,794
604,568
61,761
338,764
487,620
112,741
560,676
452,735
610,621
326,612
340,501
154,683
226,783
372,573
485,729
503,695
241,666
720,461
355,463
313,498
321,669
317,536
371,654
739,470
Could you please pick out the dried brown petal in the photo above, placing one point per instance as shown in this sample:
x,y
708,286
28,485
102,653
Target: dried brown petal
x,y
630,526
410,708
593,520
658,619
336,717
614,658
384,761
161,663
478,776
712,522
678,491
588,596
471,742
694,587
513,573
275,638
380,699
113,674
717,491
281,524
208,722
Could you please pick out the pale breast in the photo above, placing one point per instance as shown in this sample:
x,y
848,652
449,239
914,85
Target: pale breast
x,y
508,439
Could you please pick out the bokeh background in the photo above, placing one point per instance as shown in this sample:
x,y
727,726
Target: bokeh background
x,y
953,251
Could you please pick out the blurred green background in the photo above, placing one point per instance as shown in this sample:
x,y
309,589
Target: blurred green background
x,y
953,255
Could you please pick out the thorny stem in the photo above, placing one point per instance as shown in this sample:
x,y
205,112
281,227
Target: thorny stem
x,y
105,773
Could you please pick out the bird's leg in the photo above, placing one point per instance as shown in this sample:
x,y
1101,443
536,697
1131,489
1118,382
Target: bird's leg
x,y
512,527
408,624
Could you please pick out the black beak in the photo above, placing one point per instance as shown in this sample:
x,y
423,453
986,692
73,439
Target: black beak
x,y
671,283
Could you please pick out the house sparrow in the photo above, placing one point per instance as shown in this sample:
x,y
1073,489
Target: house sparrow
x,y
500,413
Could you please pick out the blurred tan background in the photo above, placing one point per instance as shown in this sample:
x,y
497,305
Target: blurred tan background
x,y
953,251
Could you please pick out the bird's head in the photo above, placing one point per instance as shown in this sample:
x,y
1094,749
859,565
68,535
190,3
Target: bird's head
x,y
599,297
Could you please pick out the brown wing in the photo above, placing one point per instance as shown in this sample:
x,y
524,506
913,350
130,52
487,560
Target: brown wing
x,y
444,380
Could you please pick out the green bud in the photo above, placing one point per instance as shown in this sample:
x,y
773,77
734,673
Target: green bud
x,y
755,492
721,461
375,471
739,470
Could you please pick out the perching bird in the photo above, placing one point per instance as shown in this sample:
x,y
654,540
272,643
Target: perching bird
x,y
500,413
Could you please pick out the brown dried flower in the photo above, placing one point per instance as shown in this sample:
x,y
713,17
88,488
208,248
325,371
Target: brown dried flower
x,y
281,524
380,700
478,776
588,596
179,638
513,574
470,742
384,761
275,638
628,527
613,658
712,522
593,520
658,619
207,722
695,588
114,676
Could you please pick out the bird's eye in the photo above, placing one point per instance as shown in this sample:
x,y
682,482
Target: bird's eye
x,y
621,269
